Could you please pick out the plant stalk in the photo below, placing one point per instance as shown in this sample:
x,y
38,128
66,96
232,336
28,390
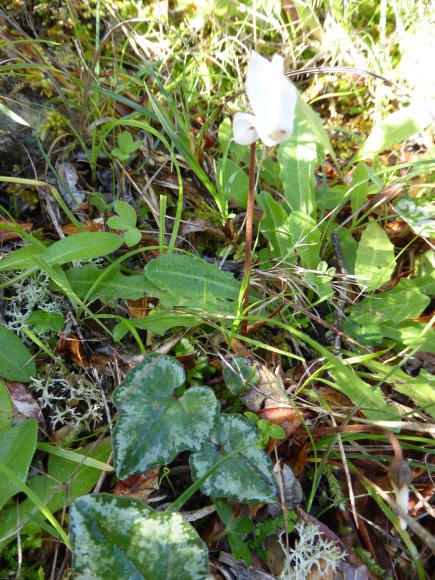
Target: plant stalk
x,y
248,235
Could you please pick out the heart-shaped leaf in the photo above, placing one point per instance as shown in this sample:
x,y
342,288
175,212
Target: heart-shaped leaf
x,y
153,424
117,537
246,476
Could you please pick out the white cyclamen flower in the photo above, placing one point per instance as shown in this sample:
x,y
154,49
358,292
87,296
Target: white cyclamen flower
x,y
273,99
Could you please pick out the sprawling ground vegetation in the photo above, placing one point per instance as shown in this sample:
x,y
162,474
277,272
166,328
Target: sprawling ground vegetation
x,y
216,357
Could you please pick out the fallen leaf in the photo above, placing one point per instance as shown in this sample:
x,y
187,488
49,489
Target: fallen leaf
x,y
333,397
289,489
72,345
269,392
96,225
7,235
25,403
138,308
139,486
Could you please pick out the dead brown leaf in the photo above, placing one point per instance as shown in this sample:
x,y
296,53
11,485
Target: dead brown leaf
x,y
139,486
269,392
7,235
24,403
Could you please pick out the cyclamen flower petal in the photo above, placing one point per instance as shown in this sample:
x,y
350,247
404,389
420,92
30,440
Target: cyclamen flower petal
x,y
273,99
402,498
243,129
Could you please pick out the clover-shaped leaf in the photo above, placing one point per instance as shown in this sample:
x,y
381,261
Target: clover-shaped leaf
x,y
126,146
126,222
132,236
246,474
154,425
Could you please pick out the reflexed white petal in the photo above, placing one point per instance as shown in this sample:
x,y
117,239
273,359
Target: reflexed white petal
x,y
272,97
402,498
277,64
244,131
259,85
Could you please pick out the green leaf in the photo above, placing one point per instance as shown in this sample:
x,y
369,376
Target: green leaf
x,y
232,181
16,362
277,432
375,261
5,408
132,237
298,157
320,280
244,477
116,223
159,323
17,446
314,122
363,327
20,259
82,246
45,321
418,213
126,143
240,374
305,236
111,283
420,389
153,424
65,480
359,188
400,303
12,115
349,248
274,226
368,399
413,334
395,128
117,537
235,529
120,154
127,213
182,280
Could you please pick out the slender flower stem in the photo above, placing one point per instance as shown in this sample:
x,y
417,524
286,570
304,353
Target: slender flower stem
x,y
248,234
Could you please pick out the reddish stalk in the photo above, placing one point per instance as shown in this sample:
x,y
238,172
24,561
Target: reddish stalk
x,y
248,235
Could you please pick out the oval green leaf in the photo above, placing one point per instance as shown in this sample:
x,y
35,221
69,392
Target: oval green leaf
x,y
116,537
375,261
182,280
82,246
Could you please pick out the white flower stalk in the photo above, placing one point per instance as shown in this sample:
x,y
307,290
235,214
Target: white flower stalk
x,y
273,100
